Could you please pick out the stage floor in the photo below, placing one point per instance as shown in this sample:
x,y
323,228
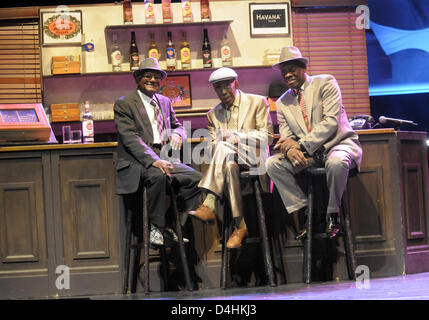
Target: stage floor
x,y
406,287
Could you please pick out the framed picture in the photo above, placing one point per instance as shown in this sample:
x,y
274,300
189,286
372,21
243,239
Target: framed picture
x,y
61,28
178,89
269,19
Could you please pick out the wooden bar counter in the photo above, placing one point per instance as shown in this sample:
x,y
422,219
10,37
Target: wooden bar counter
x,y
58,208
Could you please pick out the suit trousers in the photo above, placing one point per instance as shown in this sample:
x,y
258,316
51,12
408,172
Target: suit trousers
x,y
281,171
185,183
223,174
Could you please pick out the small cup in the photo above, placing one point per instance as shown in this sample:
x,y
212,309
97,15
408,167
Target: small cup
x,y
76,136
67,136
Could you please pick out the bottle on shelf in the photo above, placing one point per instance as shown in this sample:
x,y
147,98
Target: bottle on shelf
x,y
186,11
128,12
205,10
87,125
207,52
116,55
134,53
149,11
225,51
170,53
153,51
185,53
167,15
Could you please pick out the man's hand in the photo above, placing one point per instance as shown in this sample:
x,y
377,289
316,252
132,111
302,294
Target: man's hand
x,y
175,141
297,158
165,166
285,144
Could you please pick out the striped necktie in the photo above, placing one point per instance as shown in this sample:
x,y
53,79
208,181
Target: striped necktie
x,y
159,121
300,95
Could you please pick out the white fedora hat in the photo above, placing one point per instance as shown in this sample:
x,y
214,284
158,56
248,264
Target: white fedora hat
x,y
149,64
289,54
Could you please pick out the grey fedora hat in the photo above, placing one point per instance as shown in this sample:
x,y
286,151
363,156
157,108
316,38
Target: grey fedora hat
x,y
149,64
289,54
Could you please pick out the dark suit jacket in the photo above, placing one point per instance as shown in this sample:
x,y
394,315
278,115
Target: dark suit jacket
x,y
135,138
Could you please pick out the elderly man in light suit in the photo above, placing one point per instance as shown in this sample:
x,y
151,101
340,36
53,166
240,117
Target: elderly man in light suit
x,y
314,128
147,126
241,132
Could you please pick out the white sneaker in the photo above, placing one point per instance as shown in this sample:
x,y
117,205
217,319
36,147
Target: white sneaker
x,y
155,237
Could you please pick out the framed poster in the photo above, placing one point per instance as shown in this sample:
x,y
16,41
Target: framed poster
x,y
269,19
178,89
61,28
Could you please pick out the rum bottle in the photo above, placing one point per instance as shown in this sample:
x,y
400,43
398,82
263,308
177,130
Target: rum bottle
x,y
185,53
186,11
170,53
225,51
207,52
205,10
153,48
87,125
128,12
134,53
116,55
149,11
167,16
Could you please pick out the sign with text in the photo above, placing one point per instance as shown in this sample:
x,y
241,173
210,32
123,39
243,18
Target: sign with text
x,y
269,19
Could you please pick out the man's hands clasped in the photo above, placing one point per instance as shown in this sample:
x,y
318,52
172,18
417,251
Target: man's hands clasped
x,y
291,150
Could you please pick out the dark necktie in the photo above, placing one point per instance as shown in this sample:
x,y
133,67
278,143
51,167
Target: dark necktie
x,y
159,122
303,108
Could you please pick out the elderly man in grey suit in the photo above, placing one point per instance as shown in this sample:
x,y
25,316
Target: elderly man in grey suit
x,y
147,126
313,126
241,132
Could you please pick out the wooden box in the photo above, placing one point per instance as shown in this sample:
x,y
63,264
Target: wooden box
x,y
65,112
65,64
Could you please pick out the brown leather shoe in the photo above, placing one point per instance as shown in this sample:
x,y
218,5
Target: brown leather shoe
x,y
204,214
236,238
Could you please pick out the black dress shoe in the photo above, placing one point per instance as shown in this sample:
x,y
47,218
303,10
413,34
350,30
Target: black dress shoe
x,y
334,227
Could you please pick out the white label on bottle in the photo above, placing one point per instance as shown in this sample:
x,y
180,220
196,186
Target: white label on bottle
x,y
226,53
116,59
88,130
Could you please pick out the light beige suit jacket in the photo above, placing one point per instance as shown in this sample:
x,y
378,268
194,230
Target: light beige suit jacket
x,y
254,131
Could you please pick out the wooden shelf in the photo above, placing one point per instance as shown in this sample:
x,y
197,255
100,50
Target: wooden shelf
x,y
168,25
108,73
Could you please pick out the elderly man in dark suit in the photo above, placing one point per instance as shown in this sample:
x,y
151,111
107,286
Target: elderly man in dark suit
x,y
147,126
313,126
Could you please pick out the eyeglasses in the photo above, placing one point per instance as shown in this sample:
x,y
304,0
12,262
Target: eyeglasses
x,y
149,76
219,87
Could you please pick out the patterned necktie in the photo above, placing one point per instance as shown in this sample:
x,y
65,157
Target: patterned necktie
x,y
303,108
159,122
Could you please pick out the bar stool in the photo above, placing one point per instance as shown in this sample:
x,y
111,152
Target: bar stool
x,y
310,173
131,245
263,234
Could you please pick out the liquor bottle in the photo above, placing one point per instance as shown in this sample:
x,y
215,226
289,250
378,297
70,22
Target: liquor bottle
x,y
167,16
116,55
207,53
134,53
186,11
185,53
153,48
128,12
170,53
87,125
205,10
225,51
149,11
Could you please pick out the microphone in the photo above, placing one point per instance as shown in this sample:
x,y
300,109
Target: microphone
x,y
399,122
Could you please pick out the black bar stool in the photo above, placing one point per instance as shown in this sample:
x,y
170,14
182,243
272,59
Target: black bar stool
x,y
132,245
263,234
310,173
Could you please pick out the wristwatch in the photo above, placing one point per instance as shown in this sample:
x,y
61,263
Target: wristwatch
x,y
301,147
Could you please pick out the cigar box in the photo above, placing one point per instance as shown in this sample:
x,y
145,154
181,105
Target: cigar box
x,y
66,64
65,112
